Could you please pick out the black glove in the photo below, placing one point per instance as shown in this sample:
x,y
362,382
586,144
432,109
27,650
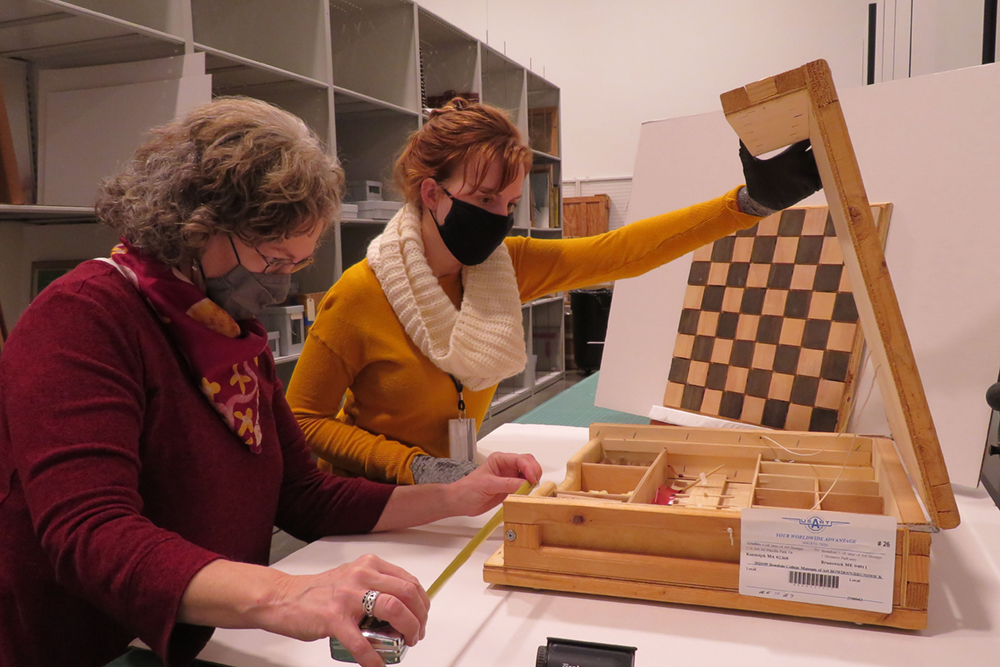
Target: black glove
x,y
783,180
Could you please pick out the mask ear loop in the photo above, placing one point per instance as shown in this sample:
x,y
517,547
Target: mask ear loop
x,y
235,252
201,269
441,185
431,210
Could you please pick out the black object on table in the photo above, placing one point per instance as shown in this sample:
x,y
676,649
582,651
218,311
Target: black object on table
x,y
561,652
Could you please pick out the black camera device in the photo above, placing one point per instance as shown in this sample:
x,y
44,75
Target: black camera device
x,y
573,653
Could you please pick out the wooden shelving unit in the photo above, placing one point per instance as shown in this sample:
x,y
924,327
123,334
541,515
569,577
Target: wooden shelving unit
x,y
358,72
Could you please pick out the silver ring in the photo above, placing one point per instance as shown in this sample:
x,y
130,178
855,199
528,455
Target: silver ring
x,y
368,602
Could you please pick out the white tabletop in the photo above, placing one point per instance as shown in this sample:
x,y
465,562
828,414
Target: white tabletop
x,y
476,624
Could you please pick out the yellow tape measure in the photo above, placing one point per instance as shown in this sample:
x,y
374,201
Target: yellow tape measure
x,y
386,640
473,544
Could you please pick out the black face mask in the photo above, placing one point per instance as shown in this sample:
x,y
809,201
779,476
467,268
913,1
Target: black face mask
x,y
471,233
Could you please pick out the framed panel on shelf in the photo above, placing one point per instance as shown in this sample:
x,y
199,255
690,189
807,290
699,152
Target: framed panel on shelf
x,y
44,273
543,129
16,168
546,202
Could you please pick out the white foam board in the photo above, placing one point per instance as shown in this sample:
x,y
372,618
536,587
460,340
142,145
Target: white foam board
x,y
931,146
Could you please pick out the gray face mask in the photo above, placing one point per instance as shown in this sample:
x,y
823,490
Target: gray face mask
x,y
244,295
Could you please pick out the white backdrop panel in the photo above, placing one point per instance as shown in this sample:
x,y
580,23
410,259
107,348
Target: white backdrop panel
x,y
931,146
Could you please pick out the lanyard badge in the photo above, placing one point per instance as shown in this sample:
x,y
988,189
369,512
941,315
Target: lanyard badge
x,y
461,431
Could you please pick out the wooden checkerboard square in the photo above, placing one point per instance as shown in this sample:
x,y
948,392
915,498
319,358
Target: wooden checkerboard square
x,y
769,331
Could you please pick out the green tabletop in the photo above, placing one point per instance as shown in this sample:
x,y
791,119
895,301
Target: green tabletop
x,y
575,407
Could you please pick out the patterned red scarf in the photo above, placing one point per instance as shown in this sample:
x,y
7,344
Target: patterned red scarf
x,y
221,353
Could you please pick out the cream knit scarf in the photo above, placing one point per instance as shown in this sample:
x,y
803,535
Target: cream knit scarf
x,y
480,344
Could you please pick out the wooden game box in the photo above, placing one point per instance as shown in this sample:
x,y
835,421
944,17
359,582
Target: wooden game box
x,y
603,530
599,531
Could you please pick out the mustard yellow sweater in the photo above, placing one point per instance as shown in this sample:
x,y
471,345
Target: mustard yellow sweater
x,y
397,402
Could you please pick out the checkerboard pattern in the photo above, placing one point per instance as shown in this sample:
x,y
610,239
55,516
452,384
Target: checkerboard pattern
x,y
769,333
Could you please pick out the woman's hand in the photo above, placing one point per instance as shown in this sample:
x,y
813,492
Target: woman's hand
x,y
486,486
483,488
329,604
307,607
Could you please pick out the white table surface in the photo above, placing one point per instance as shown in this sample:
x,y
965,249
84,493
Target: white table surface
x,y
476,624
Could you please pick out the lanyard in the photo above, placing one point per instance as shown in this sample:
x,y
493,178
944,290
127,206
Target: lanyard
x,y
461,398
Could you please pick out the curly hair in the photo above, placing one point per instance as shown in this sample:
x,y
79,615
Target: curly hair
x,y
463,135
236,165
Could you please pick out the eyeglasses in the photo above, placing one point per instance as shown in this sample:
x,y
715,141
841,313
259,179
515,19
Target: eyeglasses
x,y
281,265
274,264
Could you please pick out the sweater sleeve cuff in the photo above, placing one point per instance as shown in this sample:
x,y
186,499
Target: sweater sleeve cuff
x,y
747,217
158,584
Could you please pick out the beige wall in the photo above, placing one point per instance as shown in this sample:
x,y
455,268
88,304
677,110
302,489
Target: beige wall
x,y
620,64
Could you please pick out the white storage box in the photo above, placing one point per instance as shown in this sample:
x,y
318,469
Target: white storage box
x,y
348,211
289,323
359,191
273,338
378,210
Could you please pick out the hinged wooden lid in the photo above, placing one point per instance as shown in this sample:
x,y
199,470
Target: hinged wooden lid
x,y
802,104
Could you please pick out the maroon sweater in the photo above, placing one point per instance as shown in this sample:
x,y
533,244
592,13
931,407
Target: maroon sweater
x,y
118,480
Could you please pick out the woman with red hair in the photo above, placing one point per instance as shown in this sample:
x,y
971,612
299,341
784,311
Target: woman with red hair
x,y
421,332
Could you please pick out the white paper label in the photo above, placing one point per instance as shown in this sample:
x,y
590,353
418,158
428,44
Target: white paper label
x,y
832,558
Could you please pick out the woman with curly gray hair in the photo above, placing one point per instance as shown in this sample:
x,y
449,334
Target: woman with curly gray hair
x,y
146,448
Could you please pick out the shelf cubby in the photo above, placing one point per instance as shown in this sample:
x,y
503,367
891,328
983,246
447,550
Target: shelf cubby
x,y
547,335
543,116
355,236
306,98
503,84
54,34
374,50
369,141
449,59
544,184
286,36
358,72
